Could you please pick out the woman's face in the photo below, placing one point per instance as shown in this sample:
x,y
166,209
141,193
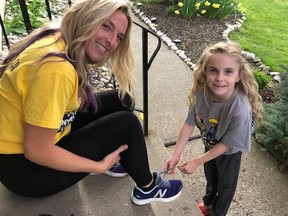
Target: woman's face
x,y
107,37
222,73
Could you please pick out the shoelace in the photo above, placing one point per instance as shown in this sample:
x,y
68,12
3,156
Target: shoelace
x,y
165,183
115,165
166,171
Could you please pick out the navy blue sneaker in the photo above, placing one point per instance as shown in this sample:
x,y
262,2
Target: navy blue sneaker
x,y
164,191
116,170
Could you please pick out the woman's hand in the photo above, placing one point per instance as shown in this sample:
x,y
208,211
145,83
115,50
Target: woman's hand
x,y
110,159
39,148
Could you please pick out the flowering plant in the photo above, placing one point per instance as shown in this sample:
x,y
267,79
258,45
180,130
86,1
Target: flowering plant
x,y
186,8
218,9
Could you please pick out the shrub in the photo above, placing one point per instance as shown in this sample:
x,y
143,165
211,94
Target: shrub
x,y
262,79
273,131
37,13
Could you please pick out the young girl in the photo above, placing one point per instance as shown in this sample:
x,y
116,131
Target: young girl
x,y
224,104
53,130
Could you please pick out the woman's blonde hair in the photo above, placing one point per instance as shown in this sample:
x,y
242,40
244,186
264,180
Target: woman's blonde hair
x,y
77,26
247,84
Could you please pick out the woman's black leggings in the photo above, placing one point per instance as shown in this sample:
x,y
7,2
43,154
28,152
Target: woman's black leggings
x,y
93,135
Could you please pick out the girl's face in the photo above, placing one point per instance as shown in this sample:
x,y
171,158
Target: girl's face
x,y
107,37
222,73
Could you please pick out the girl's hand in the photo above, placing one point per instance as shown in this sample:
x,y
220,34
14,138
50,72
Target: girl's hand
x,y
189,167
171,163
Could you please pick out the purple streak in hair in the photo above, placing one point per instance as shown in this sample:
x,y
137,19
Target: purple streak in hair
x,y
45,32
92,98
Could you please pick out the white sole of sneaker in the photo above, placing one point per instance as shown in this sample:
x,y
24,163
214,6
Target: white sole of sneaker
x,y
146,201
116,175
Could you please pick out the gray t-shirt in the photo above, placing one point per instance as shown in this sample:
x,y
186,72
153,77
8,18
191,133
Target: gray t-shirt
x,y
229,123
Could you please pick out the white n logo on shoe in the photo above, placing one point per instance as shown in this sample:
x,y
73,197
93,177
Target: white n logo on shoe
x,y
160,193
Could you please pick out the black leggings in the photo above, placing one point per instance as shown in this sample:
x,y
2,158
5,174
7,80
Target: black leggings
x,y
93,135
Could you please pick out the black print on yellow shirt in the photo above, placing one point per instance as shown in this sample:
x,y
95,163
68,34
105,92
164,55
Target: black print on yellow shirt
x,y
14,64
68,118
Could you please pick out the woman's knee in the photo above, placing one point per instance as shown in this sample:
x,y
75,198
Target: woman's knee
x,y
130,118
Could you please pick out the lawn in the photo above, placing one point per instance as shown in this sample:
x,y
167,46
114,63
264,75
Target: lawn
x,y
265,31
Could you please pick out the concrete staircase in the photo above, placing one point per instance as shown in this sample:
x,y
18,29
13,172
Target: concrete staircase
x,y
169,81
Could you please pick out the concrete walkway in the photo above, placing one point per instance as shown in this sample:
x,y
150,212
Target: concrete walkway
x,y
169,81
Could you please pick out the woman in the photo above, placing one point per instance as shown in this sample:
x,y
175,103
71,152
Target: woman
x,y
54,130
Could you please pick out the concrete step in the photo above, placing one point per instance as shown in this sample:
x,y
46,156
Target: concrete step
x,y
101,195
104,195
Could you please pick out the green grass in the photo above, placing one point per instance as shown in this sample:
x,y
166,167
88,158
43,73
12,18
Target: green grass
x,y
265,31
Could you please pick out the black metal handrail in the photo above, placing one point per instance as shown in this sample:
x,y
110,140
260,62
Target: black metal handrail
x,y
145,68
146,63
25,14
4,32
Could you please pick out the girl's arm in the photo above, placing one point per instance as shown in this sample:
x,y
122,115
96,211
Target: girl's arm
x,y
184,135
39,148
191,166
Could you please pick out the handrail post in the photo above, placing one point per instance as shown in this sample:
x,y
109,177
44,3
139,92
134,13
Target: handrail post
x,y
48,9
25,16
145,79
145,68
4,33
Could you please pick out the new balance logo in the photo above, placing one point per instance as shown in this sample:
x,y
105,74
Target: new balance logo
x,y
160,193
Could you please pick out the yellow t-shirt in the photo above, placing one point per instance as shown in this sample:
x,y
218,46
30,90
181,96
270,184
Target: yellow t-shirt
x,y
43,94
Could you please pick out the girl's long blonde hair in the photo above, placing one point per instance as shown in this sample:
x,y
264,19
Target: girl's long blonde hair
x,y
247,83
77,26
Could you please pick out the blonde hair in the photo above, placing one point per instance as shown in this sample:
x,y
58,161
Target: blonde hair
x,y
247,84
77,26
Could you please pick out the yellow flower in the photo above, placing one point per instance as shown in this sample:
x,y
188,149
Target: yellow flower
x,y
203,11
241,8
207,3
180,4
177,12
197,5
216,5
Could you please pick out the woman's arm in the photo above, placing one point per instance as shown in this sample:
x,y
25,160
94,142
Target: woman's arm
x,y
40,148
191,166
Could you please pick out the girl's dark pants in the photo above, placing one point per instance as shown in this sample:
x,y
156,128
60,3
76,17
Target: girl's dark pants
x,y
222,176
93,136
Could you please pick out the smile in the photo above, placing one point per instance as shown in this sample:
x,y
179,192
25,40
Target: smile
x,y
102,48
219,86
